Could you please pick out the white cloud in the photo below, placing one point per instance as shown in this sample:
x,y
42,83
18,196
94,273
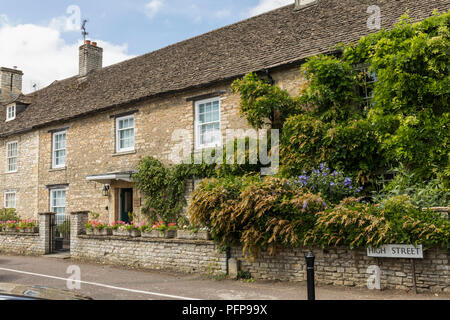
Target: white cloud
x,y
43,55
153,7
225,13
267,5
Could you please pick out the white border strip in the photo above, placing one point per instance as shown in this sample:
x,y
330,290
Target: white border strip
x,y
101,285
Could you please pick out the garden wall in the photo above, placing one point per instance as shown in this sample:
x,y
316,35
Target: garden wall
x,y
23,244
342,266
168,254
28,243
337,266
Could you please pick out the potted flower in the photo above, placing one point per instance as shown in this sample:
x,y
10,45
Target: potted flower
x,y
131,229
116,228
169,231
101,229
31,226
21,226
11,226
151,232
89,228
193,233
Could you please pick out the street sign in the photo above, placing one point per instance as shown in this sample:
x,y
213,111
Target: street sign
x,y
396,251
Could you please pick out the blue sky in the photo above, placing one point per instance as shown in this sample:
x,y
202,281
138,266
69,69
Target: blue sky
x,y
41,44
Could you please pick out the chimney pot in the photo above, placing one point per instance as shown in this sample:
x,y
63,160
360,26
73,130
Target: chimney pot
x,y
94,44
88,42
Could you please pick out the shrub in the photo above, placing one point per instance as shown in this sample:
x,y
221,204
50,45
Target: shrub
x,y
394,221
259,214
64,228
8,214
425,194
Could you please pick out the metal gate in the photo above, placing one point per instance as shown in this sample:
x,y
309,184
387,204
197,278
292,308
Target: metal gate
x,y
60,233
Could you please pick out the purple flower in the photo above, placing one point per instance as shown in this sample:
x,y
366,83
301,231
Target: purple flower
x,y
332,184
305,204
347,182
335,173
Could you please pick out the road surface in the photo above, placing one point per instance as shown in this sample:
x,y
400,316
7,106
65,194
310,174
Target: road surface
x,y
102,282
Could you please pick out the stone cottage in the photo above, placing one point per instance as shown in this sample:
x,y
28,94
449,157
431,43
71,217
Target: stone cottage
x,y
73,145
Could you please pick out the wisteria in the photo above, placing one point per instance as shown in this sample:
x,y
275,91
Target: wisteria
x,y
332,186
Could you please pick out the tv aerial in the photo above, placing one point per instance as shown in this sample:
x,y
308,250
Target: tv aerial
x,y
83,28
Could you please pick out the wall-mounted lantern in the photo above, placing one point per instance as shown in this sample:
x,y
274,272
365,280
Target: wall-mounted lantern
x,y
105,190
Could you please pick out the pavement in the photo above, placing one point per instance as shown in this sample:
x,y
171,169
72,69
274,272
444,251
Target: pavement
x,y
102,282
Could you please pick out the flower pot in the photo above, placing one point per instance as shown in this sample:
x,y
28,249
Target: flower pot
x,y
106,232
185,234
119,232
89,232
170,234
134,233
31,230
151,234
203,235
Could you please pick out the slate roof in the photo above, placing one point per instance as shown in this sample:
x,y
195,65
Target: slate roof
x,y
272,39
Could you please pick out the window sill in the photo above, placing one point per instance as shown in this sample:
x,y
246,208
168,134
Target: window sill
x,y
124,153
12,172
57,169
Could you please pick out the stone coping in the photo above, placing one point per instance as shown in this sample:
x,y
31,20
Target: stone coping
x,y
18,234
141,239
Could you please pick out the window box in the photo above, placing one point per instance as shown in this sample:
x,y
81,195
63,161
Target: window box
x,y
189,235
102,232
151,234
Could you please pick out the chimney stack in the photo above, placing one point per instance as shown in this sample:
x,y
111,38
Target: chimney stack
x,y
10,83
91,58
300,4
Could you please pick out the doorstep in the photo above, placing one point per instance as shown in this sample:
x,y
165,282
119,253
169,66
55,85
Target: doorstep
x,y
61,255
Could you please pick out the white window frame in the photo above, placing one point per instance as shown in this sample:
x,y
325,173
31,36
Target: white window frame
x,y
54,150
11,112
197,124
8,157
52,197
5,195
129,149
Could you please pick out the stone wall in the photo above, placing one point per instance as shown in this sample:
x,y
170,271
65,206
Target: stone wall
x,y
191,256
29,244
345,267
336,266
21,244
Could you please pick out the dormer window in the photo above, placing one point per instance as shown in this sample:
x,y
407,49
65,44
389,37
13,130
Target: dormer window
x,y
11,112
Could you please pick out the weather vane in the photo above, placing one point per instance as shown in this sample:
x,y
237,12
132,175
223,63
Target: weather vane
x,y
83,27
